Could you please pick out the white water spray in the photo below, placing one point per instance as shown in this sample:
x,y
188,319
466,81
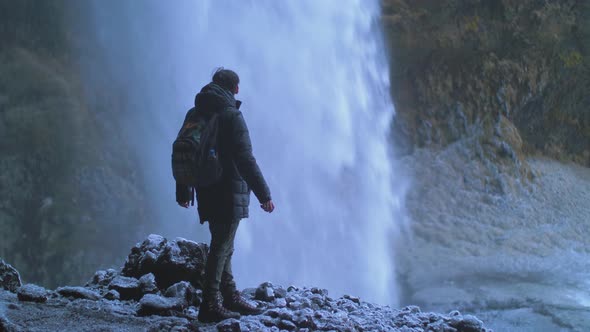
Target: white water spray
x,y
314,82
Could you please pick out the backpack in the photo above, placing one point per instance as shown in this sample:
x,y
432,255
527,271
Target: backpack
x,y
195,159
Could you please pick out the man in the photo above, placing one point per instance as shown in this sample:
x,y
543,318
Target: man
x,y
226,202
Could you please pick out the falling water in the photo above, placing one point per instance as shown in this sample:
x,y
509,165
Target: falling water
x,y
314,82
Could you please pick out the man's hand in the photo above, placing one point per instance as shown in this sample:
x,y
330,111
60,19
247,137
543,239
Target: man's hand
x,y
268,206
183,204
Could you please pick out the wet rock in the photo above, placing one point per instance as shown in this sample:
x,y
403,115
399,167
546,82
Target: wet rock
x,y
352,298
319,291
265,292
13,306
102,278
127,287
279,291
8,326
294,309
32,293
151,304
186,292
78,293
169,261
143,256
287,325
249,293
315,312
466,323
147,284
112,295
280,302
229,325
191,312
9,277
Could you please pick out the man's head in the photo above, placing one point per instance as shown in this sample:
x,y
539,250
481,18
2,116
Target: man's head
x,y
227,79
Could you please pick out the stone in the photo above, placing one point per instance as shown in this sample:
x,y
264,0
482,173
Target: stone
x,y
102,278
280,292
147,284
287,325
229,325
467,323
169,261
320,291
78,293
152,304
112,295
186,292
9,277
265,292
280,302
13,306
127,287
143,256
302,309
32,293
352,298
8,326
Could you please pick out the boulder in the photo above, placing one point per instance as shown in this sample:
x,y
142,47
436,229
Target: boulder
x,y
265,292
127,287
467,323
112,295
184,291
143,256
147,284
9,277
169,261
8,326
32,293
78,293
152,304
102,278
229,325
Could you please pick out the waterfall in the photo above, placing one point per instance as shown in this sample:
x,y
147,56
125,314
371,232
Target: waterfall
x,y
315,87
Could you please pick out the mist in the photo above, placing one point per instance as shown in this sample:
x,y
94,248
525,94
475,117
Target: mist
x,y
315,87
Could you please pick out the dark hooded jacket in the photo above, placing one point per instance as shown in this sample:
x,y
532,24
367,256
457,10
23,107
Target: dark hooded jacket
x,y
229,198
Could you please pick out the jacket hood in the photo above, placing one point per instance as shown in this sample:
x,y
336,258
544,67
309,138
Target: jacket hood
x,y
213,97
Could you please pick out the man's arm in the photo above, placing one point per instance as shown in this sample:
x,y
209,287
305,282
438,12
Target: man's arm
x,y
245,161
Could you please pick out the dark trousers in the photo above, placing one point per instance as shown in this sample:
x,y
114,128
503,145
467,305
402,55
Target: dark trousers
x,y
218,273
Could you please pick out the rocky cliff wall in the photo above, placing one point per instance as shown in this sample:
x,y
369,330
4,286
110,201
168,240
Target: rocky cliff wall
x,y
462,65
68,183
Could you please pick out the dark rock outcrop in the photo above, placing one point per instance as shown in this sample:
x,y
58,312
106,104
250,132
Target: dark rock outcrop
x,y
169,261
9,277
32,293
78,293
127,287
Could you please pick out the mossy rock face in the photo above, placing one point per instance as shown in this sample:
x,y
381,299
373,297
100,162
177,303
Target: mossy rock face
x,y
70,198
457,62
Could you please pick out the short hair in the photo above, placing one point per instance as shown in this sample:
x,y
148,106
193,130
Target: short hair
x,y
226,78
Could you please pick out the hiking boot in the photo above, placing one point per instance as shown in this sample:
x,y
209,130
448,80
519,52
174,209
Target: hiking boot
x,y
235,302
212,311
